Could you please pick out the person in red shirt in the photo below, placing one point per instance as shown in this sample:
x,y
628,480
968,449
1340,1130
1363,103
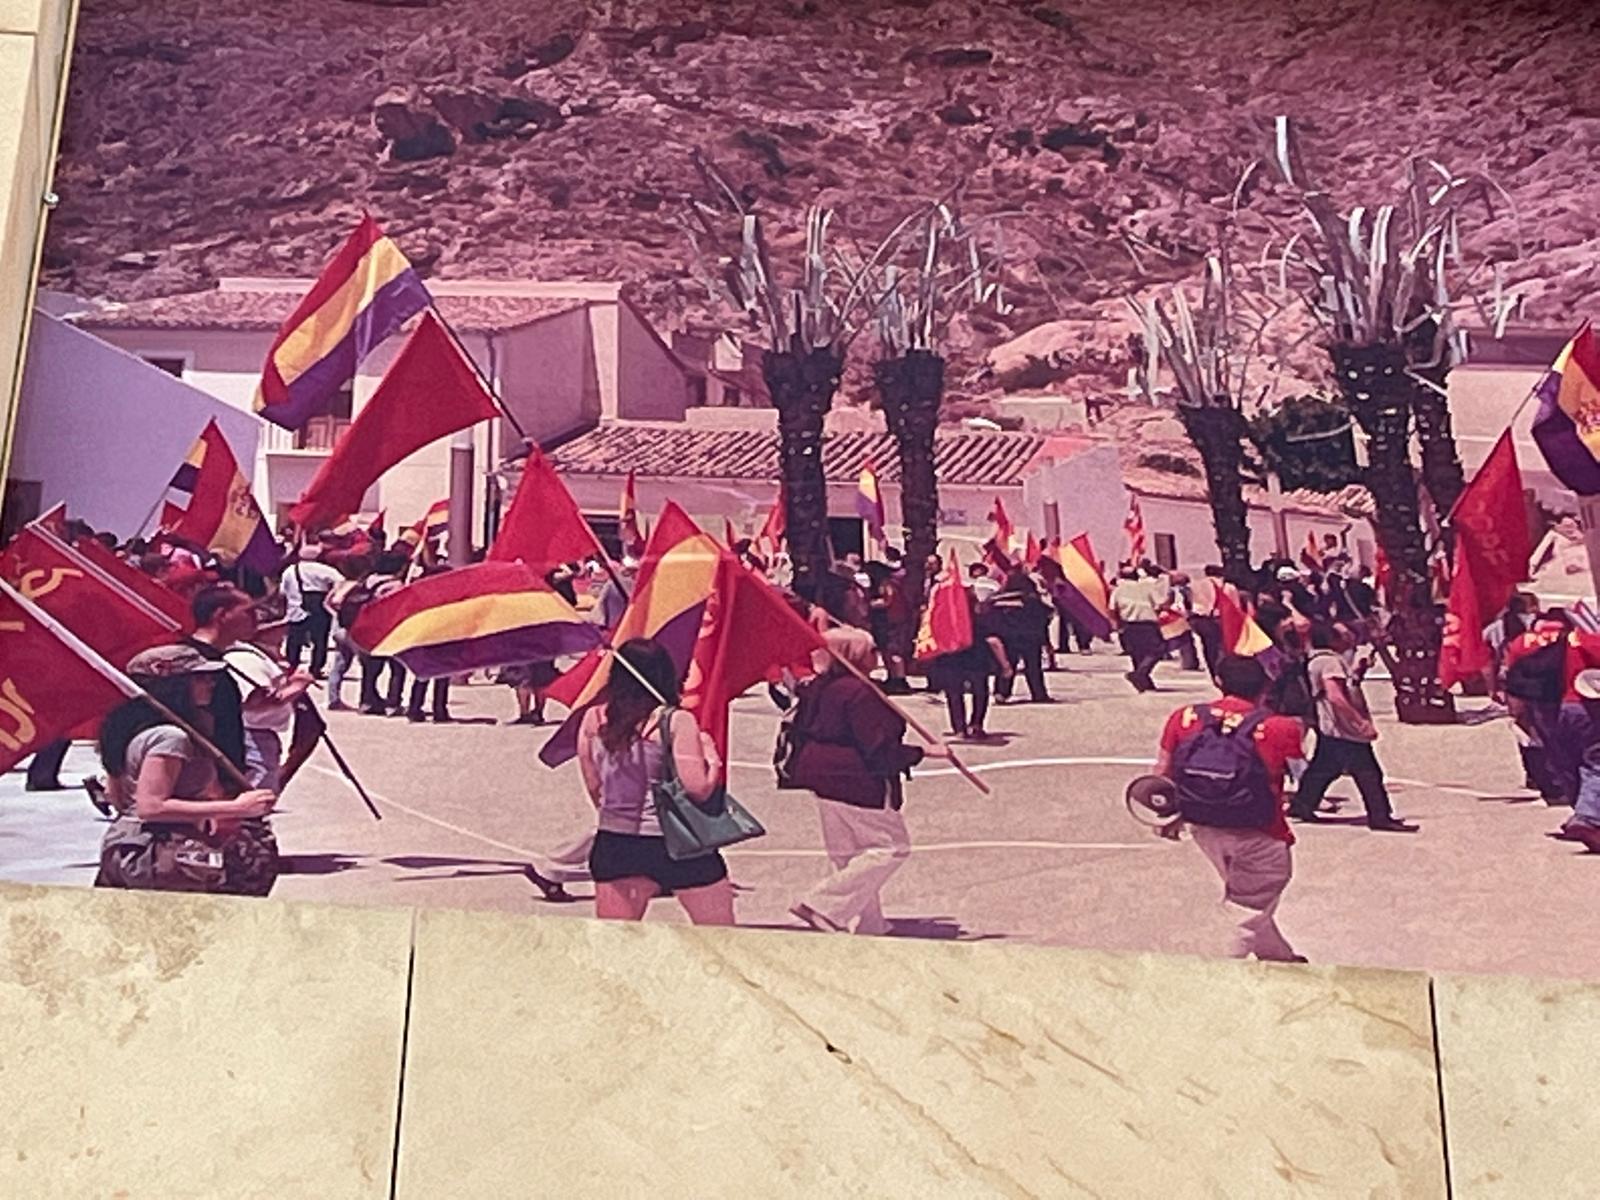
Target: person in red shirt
x,y
1255,864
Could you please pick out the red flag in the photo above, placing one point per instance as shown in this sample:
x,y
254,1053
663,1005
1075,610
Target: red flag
x,y
375,530
748,633
113,623
947,621
1133,526
1464,654
429,392
628,520
1311,555
772,532
1491,519
1003,529
725,627
129,578
50,683
730,536
1030,554
543,527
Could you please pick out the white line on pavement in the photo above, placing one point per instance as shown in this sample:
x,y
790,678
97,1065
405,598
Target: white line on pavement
x,y
386,802
801,852
1003,765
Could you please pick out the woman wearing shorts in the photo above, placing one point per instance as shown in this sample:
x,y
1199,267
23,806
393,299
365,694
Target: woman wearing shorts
x,y
621,748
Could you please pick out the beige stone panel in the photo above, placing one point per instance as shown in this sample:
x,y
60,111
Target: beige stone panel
x,y
21,186
1517,1058
171,1046
589,1058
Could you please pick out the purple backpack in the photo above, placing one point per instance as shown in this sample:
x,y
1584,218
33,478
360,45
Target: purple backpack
x,y
1220,777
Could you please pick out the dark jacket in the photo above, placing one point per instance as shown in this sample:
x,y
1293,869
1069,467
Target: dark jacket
x,y
851,747
1016,618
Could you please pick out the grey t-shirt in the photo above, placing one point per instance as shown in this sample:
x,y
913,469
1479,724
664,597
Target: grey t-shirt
x,y
1326,665
198,773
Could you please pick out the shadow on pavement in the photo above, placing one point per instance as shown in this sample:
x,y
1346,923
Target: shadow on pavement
x,y
317,864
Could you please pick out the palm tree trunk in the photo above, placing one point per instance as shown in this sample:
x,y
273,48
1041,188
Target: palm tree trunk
x,y
909,390
1441,460
1217,431
801,385
1378,393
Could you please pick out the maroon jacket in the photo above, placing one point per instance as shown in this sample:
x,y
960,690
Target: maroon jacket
x,y
851,747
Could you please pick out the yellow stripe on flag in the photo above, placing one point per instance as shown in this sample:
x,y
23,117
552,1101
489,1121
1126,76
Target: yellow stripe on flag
x,y
475,617
324,329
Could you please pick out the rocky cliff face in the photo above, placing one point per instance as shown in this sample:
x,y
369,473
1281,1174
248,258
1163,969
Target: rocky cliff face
x,y
514,138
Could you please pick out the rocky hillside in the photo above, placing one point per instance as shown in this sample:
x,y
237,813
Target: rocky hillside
x,y
551,138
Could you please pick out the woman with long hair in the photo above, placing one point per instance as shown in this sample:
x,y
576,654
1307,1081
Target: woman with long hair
x,y
622,745
165,786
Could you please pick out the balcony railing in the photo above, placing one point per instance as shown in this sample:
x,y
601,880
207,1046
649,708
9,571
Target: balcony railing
x,y
320,433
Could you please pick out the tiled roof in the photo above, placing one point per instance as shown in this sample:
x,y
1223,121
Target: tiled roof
x,y
675,451
1352,501
266,311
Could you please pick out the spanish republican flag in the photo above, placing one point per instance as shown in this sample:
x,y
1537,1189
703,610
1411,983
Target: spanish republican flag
x,y
1567,425
220,513
429,392
362,297
1003,529
50,682
1240,633
725,627
947,621
489,614
1082,589
869,501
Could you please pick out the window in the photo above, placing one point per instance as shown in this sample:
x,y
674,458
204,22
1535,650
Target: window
x,y
608,528
1166,551
172,364
321,432
848,535
1052,521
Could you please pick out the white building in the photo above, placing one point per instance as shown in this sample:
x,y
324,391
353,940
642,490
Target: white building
x,y
562,356
103,432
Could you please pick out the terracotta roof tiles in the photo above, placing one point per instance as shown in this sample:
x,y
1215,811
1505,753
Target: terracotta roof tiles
x,y
266,311
674,451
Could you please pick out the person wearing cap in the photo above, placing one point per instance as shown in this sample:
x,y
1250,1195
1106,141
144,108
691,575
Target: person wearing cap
x,y
1136,602
166,786
1255,864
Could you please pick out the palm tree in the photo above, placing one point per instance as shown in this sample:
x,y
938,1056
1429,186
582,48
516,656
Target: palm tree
x,y
1210,351
1381,284
948,269
808,328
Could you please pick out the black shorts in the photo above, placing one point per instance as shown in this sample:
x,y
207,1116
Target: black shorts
x,y
628,856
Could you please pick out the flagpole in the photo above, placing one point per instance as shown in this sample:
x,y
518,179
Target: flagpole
x,y
433,307
122,682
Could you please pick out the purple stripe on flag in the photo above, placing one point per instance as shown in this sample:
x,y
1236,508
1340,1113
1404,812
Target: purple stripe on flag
x,y
261,553
1079,608
530,643
185,478
1557,437
677,637
313,392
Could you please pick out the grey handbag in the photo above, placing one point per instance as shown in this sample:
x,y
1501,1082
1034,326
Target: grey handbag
x,y
693,829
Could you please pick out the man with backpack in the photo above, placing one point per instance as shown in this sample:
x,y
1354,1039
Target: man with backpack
x,y
1227,761
1345,734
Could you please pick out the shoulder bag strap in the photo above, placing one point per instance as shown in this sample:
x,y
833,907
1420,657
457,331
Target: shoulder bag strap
x,y
669,763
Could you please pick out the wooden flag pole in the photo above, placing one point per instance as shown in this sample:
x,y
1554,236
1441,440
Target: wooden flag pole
x,y
123,683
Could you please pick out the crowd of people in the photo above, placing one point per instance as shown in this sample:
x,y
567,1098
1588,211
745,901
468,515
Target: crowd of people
x,y
192,771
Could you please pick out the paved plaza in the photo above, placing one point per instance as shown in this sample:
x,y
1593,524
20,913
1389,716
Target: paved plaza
x,y
1052,856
